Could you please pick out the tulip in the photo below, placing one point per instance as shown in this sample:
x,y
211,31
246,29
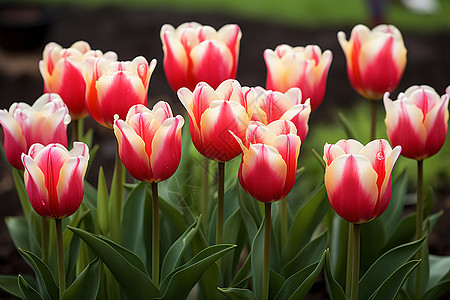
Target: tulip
x,y
417,121
150,141
375,59
269,159
195,53
44,122
212,113
61,70
358,178
272,106
114,87
54,178
302,67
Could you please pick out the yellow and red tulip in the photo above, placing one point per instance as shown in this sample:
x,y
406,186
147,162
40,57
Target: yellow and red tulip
x,y
113,87
54,178
61,71
269,159
272,106
302,67
195,53
44,122
358,178
150,141
417,121
376,59
212,113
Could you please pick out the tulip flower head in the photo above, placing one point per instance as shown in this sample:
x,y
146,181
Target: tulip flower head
x,y
61,70
417,121
54,178
44,122
195,53
271,106
212,113
358,178
376,59
302,67
150,141
113,87
269,159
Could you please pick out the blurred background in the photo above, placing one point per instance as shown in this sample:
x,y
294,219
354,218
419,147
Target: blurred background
x,y
131,28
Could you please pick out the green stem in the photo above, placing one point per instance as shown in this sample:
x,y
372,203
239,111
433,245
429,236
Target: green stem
x,y
419,224
116,195
355,264
373,123
348,278
77,130
220,195
155,234
205,189
44,239
60,252
267,225
283,216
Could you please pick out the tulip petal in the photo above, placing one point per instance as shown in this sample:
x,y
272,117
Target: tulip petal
x,y
35,184
14,140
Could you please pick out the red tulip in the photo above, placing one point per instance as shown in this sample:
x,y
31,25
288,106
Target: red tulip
x,y
212,113
54,178
375,59
44,122
272,106
114,87
150,142
417,121
358,178
61,70
195,53
302,67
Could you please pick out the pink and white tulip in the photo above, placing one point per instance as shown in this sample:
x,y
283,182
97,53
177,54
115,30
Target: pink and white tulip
x,y
54,178
195,53
212,113
358,178
272,106
114,87
417,121
44,122
302,67
61,71
376,59
269,159
150,141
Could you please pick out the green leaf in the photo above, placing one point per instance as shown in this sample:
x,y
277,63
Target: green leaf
x,y
22,192
46,283
348,128
334,289
304,223
174,254
102,202
133,221
180,282
311,253
237,294
402,233
86,285
385,266
257,259
9,284
251,215
18,230
244,273
437,290
126,267
392,285
372,241
439,269
232,228
298,285
26,291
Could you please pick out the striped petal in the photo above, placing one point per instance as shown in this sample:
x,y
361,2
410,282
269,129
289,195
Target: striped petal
x,y
14,139
35,184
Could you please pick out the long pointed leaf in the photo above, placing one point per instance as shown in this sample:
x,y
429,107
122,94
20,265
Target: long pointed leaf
x,y
26,291
9,284
257,258
334,289
86,285
237,294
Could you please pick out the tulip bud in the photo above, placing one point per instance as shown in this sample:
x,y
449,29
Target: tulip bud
x,y
417,121
375,59
302,67
54,178
44,122
195,53
150,141
358,178
212,113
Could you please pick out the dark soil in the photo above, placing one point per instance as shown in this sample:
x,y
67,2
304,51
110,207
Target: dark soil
x,y
133,32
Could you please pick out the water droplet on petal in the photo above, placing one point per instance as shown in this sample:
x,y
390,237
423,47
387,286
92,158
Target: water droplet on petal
x,y
380,155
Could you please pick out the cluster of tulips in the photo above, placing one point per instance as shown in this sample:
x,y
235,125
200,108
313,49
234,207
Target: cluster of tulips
x,y
223,248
